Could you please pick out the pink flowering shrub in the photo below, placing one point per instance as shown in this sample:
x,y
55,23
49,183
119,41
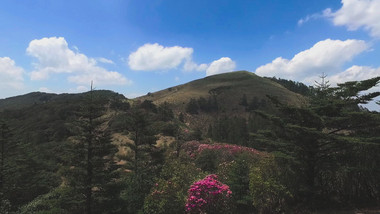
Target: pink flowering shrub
x,y
225,152
209,196
169,194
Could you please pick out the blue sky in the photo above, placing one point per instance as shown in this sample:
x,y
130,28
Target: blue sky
x,y
135,47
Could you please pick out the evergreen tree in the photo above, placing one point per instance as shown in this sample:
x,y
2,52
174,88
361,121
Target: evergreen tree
x,y
90,171
328,144
144,163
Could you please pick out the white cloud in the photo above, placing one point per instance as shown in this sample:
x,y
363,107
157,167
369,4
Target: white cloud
x,y
355,14
100,76
134,95
358,73
309,17
11,76
104,60
152,57
355,73
81,88
53,56
192,66
45,89
222,65
327,55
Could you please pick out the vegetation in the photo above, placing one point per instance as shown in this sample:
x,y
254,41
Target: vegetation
x,y
219,149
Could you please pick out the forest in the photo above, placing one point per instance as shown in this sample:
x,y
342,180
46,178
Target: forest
x,y
98,152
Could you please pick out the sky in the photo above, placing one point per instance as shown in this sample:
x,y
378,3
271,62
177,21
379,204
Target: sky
x,y
138,46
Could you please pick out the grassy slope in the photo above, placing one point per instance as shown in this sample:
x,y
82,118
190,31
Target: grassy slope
x,y
231,87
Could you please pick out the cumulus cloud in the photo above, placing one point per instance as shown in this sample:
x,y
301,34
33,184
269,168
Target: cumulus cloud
x,y
327,55
54,56
355,14
11,76
152,57
222,65
355,73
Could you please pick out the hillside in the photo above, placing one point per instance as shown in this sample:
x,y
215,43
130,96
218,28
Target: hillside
x,y
229,89
142,155
25,100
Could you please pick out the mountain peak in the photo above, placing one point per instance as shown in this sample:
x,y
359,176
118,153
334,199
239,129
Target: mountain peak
x,y
230,88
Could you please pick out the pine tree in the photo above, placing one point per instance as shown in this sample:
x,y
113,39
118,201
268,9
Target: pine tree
x,y
331,145
90,171
145,160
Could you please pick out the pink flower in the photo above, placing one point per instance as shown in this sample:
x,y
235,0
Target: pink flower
x,y
207,194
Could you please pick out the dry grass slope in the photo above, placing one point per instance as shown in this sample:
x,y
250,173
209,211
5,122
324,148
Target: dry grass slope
x,y
230,88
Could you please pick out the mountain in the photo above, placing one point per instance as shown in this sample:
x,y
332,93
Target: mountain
x,y
229,88
25,100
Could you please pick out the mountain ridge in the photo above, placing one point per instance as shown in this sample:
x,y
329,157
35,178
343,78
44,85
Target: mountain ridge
x,y
229,87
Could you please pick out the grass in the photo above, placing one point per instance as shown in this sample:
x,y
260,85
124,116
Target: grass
x,y
230,88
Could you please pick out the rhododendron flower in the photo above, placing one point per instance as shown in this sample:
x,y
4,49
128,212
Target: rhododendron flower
x,y
208,196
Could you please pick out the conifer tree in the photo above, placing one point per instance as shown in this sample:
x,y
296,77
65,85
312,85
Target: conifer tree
x,y
145,160
331,145
90,171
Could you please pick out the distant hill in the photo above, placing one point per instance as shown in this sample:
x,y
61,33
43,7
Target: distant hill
x,y
25,100
229,89
36,98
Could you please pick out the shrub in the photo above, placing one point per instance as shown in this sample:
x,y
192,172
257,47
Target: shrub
x,y
268,193
168,195
209,196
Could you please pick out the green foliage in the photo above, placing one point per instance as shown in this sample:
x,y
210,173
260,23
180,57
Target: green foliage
x,y
192,107
233,130
325,152
296,87
244,101
168,195
149,106
89,168
268,193
209,105
327,146
238,181
146,162
60,200
207,160
5,205
165,112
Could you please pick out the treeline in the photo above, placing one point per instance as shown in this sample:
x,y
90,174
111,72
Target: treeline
x,y
211,105
296,87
